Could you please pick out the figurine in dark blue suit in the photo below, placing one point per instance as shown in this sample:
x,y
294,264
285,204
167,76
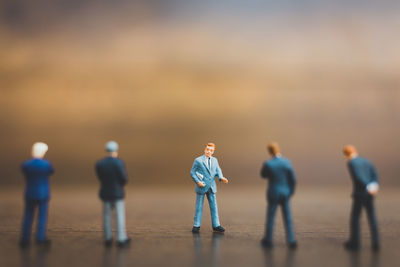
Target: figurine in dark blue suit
x,y
37,194
282,182
365,188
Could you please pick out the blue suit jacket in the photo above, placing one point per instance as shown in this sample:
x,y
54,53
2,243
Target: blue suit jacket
x,y
362,173
37,172
281,177
201,173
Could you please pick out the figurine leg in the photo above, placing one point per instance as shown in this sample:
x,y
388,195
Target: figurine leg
x,y
287,219
107,220
120,214
271,211
42,220
199,210
373,224
212,202
28,218
355,222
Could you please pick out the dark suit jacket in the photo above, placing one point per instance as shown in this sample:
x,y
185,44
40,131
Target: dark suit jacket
x,y
112,175
281,177
37,172
362,173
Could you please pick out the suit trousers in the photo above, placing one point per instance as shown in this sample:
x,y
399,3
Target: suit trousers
x,y
287,219
119,207
212,202
358,203
29,213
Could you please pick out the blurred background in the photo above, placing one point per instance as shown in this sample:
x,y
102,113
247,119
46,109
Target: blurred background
x,y
162,78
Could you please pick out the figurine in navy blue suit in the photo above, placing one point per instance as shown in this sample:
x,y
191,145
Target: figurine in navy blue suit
x,y
365,188
37,194
204,171
113,177
282,182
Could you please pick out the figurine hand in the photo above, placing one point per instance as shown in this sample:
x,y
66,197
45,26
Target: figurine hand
x,y
201,184
373,188
224,180
373,192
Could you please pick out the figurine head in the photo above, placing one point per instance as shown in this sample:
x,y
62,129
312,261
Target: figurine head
x,y
112,148
209,150
350,152
273,149
39,149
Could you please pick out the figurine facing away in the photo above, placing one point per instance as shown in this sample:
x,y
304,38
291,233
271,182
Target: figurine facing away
x,y
365,188
112,175
204,170
282,182
37,194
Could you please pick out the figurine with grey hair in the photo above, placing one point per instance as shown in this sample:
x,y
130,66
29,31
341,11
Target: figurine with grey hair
x,y
37,195
113,177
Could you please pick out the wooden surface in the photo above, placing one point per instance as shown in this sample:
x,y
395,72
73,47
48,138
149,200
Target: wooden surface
x,y
159,221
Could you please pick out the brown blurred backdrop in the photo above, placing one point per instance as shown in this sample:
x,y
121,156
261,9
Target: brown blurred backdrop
x,y
164,77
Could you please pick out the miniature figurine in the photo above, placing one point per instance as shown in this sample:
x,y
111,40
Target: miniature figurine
x,y
37,194
282,182
112,175
365,188
204,170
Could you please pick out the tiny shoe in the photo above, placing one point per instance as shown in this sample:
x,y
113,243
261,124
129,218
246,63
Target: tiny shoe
x,y
293,245
108,243
266,244
196,229
349,245
44,242
124,243
219,229
24,243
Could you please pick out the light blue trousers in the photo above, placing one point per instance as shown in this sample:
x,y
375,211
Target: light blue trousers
x,y
119,206
212,202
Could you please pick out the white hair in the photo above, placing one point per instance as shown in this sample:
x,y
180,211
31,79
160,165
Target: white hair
x,y
39,149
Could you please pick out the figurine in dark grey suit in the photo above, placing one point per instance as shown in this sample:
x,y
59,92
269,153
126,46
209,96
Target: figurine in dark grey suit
x,y
112,175
365,187
282,181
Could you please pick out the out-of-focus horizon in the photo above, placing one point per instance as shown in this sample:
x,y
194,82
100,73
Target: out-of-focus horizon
x,y
162,78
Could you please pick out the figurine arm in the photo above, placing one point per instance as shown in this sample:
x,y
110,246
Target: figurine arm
x,y
374,174
264,171
355,174
193,172
292,180
51,169
97,169
219,172
122,175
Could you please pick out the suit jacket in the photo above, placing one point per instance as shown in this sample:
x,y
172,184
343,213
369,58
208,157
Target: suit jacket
x,y
37,172
362,173
112,175
201,173
281,177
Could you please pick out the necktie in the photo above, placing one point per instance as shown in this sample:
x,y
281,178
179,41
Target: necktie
x,y
209,163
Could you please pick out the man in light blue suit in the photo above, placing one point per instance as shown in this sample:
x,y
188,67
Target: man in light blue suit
x,y
282,182
204,170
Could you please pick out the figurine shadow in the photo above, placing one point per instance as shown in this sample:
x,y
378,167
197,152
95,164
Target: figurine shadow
x,y
204,256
